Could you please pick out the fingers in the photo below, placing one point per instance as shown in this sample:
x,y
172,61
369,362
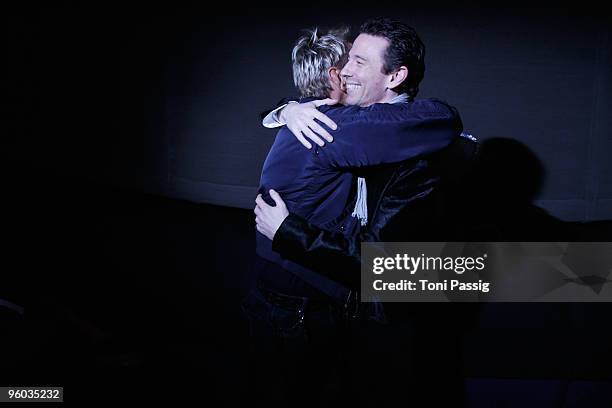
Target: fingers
x,y
274,197
277,198
326,121
305,142
299,136
262,205
313,136
260,201
321,116
328,101
319,129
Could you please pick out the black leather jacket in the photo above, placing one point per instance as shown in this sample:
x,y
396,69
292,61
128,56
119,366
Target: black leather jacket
x,y
406,202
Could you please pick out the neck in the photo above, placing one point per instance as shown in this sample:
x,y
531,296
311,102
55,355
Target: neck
x,y
387,97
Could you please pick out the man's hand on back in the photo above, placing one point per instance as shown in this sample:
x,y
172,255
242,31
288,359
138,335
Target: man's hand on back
x,y
300,119
268,218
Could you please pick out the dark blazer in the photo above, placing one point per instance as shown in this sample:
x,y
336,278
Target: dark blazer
x,y
408,202
316,184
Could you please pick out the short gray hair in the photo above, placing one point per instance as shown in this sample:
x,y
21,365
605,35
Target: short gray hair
x,y
313,55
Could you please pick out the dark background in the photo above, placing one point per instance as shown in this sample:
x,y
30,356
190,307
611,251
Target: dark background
x,y
131,132
165,99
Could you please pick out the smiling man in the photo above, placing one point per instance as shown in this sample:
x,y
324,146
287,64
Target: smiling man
x,y
370,79
385,67
298,317
378,127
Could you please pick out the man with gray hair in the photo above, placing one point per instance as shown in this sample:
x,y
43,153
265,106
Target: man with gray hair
x,y
317,61
293,304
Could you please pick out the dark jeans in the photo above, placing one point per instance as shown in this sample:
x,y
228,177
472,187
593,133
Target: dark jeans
x,y
299,350
312,355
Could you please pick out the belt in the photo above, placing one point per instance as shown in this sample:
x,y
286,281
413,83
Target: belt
x,y
290,302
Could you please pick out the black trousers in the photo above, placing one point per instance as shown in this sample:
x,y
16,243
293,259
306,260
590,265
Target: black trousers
x,y
306,354
299,351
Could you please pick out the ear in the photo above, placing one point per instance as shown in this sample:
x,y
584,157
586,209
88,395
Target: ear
x,y
334,76
398,77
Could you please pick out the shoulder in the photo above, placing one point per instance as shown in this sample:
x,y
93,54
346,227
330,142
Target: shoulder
x,y
418,109
284,140
433,105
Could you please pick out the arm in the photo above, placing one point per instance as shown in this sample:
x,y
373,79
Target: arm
x,y
303,121
405,203
385,133
298,240
404,212
300,119
329,253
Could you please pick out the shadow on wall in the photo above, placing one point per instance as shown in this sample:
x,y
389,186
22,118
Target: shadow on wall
x,y
508,172
496,199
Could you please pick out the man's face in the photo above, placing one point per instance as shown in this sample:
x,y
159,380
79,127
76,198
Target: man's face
x,y
365,82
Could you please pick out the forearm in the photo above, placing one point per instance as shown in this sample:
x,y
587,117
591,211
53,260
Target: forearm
x,y
390,134
406,211
331,254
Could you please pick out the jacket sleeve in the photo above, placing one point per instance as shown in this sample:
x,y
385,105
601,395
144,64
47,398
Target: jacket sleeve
x,y
406,210
279,104
327,252
387,133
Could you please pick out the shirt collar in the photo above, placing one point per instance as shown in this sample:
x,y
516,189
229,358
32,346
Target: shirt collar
x,y
401,98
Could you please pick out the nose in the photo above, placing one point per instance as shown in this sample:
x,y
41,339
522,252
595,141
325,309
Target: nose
x,y
346,71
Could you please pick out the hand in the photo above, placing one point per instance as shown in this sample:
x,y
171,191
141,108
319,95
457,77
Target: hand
x,y
268,218
300,119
